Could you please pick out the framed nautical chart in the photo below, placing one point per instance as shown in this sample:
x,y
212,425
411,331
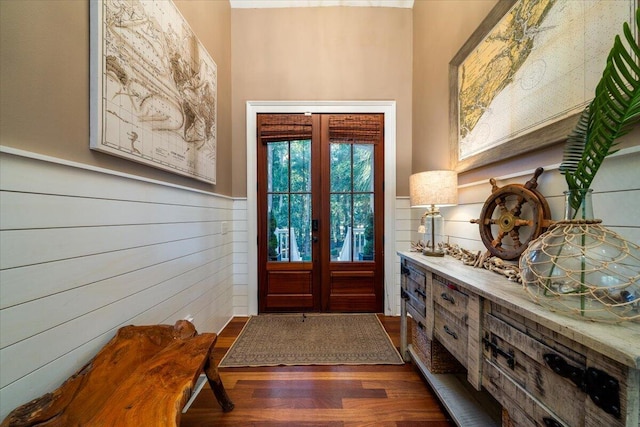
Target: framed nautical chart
x,y
525,74
153,88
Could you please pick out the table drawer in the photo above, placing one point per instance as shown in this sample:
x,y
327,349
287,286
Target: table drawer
x,y
521,358
554,374
417,304
415,292
448,297
522,408
451,332
417,315
416,275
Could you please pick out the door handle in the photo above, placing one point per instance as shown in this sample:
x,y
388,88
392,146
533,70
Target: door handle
x,y
314,239
315,226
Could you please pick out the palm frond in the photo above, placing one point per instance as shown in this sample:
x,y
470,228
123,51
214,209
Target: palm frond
x,y
576,141
614,111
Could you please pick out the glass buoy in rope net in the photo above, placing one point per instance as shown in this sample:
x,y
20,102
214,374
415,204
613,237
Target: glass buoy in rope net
x,y
581,268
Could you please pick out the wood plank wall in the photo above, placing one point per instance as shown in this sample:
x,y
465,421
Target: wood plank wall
x,y
616,199
84,252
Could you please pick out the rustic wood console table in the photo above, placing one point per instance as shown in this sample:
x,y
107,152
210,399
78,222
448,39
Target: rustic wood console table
x,y
542,368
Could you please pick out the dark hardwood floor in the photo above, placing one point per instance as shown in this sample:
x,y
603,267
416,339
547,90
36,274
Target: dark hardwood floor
x,y
303,396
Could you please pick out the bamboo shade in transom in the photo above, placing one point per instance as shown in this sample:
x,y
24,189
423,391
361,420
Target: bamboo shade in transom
x,y
356,128
284,127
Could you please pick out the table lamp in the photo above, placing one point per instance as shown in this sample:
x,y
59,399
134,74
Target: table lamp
x,y
432,190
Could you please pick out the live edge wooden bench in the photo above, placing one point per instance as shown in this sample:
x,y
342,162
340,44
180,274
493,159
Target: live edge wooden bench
x,y
143,377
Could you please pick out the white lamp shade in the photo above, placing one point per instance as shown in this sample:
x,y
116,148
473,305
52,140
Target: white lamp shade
x,y
439,188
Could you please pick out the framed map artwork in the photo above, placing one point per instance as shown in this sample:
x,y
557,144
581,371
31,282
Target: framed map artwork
x,y
520,81
153,88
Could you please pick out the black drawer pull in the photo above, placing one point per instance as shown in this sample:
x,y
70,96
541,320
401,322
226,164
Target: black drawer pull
x,y
562,368
496,350
602,388
420,292
550,422
450,332
445,296
604,391
404,270
404,295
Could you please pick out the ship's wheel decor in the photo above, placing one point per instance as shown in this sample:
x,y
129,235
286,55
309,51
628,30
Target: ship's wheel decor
x,y
513,216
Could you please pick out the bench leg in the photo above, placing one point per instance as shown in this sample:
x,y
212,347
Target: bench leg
x,y
216,385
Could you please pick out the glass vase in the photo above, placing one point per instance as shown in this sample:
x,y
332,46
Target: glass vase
x,y
583,269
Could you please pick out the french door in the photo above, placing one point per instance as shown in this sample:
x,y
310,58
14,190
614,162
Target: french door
x,y
320,212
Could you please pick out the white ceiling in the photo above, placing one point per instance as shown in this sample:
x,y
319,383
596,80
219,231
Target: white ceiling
x,y
255,4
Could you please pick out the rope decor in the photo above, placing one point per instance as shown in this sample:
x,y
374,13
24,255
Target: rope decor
x,y
477,259
575,222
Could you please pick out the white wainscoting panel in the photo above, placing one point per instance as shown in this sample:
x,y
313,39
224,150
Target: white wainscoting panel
x,y
240,259
407,221
85,251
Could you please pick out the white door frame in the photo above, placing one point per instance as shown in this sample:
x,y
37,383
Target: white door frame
x,y
388,108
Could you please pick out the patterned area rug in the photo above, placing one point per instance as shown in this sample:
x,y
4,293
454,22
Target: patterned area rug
x,y
312,339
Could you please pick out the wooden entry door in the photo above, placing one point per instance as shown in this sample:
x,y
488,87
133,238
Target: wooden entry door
x,y
320,212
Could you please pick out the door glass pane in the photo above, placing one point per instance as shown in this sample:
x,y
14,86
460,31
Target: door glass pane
x,y
278,216
272,239
300,233
278,166
363,244
289,201
363,167
341,229
352,231
340,168
301,166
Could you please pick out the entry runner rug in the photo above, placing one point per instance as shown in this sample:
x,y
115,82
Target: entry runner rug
x,y
312,339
